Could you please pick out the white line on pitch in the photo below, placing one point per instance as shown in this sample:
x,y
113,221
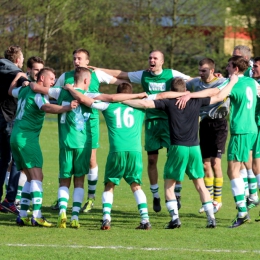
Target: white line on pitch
x,y
139,248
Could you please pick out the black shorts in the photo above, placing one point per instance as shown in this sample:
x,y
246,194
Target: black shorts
x,y
213,136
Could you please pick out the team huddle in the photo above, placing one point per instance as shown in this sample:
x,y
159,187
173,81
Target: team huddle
x,y
170,106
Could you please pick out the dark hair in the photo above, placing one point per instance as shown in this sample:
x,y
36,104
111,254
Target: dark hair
x,y
124,88
82,50
34,59
178,85
43,71
256,59
13,53
239,62
207,61
80,72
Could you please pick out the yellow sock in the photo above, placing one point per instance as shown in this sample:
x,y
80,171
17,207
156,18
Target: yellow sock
x,y
218,184
209,185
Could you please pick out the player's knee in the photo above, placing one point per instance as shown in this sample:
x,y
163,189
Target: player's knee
x,y
135,186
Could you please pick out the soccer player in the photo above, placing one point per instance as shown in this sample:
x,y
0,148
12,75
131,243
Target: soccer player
x,y
81,59
212,132
25,144
243,129
156,80
9,67
34,65
75,139
184,152
246,168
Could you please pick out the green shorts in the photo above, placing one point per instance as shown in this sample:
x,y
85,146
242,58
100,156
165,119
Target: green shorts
x,y
156,134
181,159
127,165
256,147
27,154
94,125
74,162
239,147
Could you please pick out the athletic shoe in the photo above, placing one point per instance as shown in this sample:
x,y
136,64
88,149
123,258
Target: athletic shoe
x,y
239,221
88,205
250,203
23,221
74,223
216,206
201,210
157,204
173,224
211,223
10,207
55,205
62,219
105,224
3,210
144,226
178,198
41,222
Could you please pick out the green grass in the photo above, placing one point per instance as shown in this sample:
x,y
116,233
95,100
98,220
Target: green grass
x,y
191,241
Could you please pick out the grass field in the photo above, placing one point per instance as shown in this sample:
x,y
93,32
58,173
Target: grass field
x,y
191,241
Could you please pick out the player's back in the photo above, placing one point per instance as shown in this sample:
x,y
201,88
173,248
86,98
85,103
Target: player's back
x,y
124,125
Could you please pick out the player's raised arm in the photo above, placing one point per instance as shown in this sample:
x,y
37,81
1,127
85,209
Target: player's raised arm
x,y
38,88
15,81
224,92
119,74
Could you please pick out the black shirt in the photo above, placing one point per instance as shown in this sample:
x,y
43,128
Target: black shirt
x,y
183,123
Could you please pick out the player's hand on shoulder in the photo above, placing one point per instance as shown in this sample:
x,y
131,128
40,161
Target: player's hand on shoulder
x,y
234,78
67,86
181,101
73,104
218,75
25,83
142,95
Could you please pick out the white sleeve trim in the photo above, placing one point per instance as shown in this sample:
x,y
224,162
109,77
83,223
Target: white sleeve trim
x,y
178,74
15,92
54,93
100,105
135,76
103,77
60,81
41,100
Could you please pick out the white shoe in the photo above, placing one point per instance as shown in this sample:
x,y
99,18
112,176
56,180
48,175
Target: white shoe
x,y
217,206
201,210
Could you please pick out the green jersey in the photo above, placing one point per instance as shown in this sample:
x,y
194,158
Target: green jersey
x,y
124,126
29,116
248,72
97,77
243,104
74,126
154,84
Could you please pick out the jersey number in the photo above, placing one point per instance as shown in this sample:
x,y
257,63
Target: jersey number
x,y
249,96
128,118
20,109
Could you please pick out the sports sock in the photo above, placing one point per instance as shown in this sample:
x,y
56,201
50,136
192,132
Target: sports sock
x,y
237,186
25,199
36,195
243,173
218,184
7,175
141,202
155,190
177,189
172,208
252,185
92,182
78,196
208,208
107,201
63,197
209,185
21,182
